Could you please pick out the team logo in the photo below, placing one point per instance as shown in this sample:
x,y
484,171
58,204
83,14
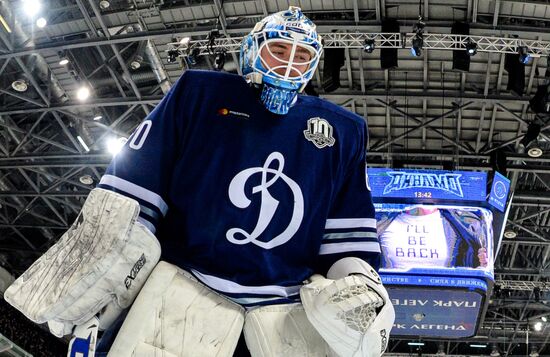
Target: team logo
x,y
319,132
405,180
269,204
500,189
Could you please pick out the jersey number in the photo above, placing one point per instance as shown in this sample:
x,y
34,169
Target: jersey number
x,y
138,139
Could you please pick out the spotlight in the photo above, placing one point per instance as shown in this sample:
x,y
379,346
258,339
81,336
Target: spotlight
x,y
510,234
98,117
219,60
524,56
104,4
544,319
114,145
20,85
31,7
41,22
86,179
369,45
538,326
83,93
192,56
63,59
173,55
471,47
136,62
534,150
417,43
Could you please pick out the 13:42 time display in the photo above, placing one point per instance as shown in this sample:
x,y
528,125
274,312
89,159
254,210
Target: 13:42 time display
x,y
423,194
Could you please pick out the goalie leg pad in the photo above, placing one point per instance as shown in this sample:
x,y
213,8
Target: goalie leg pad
x,y
102,260
282,330
175,315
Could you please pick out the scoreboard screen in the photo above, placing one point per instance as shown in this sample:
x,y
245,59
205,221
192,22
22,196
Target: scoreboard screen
x,y
438,232
429,239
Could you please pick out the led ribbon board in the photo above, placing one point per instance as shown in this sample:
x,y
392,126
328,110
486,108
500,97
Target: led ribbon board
x,y
447,185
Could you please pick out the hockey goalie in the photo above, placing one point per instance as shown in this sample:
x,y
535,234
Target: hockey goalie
x,y
255,200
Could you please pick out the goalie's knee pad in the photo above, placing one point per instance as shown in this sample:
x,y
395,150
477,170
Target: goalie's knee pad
x,y
175,316
353,313
282,330
99,264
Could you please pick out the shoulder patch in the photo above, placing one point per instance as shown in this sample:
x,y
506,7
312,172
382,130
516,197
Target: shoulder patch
x,y
319,132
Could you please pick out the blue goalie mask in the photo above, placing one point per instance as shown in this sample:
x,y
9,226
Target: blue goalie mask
x,y
281,54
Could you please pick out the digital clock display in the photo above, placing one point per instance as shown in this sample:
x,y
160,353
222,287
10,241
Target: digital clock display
x,y
422,194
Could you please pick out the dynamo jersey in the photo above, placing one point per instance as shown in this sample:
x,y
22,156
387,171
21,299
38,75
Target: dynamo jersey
x,y
250,202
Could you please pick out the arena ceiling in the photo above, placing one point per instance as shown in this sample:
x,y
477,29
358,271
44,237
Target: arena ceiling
x,y
422,114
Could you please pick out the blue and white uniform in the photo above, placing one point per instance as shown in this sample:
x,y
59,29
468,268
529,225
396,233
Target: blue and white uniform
x,y
252,203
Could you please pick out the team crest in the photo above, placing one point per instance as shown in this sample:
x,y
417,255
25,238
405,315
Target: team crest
x,y
319,132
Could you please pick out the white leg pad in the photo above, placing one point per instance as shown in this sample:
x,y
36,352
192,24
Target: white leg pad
x,y
282,330
174,315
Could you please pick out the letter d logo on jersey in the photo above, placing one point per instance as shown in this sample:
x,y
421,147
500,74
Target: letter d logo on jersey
x,y
269,205
319,132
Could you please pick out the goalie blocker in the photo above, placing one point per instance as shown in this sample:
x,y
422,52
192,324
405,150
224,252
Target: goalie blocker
x,y
97,267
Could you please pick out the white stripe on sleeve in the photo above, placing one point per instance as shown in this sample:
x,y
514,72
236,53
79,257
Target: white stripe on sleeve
x,y
373,247
335,223
135,190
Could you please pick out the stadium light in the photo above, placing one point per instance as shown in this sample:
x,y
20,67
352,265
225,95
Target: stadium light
x,y
417,43
471,47
510,234
31,7
369,45
524,56
83,93
41,22
114,145
81,141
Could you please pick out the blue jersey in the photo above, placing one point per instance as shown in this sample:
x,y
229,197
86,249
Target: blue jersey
x,y
252,203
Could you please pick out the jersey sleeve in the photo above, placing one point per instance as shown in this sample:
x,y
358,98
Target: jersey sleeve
x,y
143,168
350,229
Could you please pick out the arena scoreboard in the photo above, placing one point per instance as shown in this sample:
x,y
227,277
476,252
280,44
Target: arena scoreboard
x,y
438,232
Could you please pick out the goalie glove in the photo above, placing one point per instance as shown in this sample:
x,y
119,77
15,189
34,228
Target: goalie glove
x,y
353,313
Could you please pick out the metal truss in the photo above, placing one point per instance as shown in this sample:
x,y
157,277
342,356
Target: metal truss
x,y
356,40
522,285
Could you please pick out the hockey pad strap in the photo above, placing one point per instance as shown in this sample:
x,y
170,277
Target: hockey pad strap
x,y
282,330
99,264
175,315
353,313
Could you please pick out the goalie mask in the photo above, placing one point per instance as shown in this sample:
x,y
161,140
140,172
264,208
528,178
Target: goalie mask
x,y
281,54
